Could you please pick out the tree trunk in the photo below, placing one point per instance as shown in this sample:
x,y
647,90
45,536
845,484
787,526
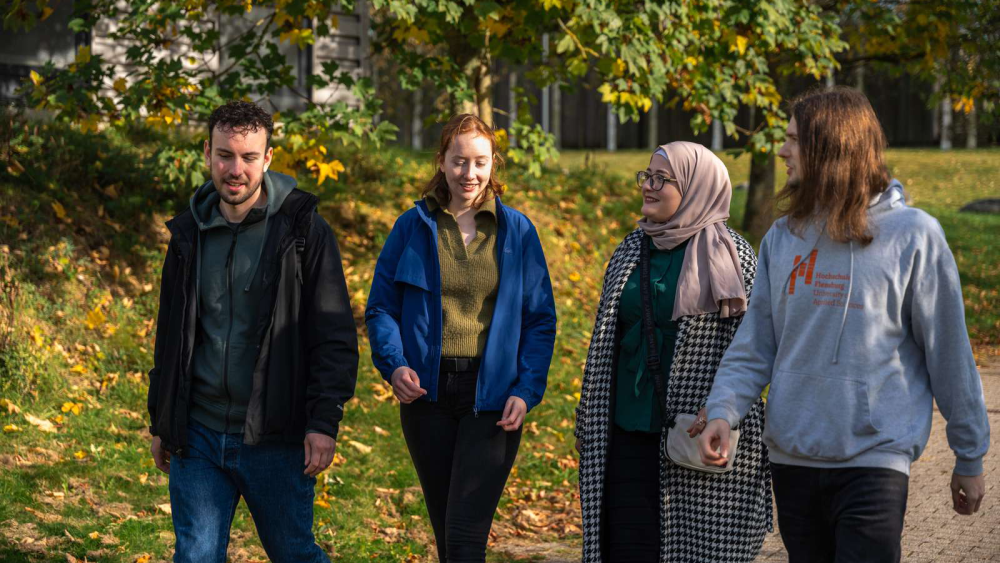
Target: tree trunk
x,y
971,129
478,71
759,212
512,111
417,123
716,135
653,126
556,115
936,111
612,126
546,90
484,94
946,123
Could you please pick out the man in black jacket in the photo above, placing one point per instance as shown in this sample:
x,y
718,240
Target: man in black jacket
x,y
256,350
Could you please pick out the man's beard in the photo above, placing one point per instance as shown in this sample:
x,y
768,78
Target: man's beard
x,y
237,199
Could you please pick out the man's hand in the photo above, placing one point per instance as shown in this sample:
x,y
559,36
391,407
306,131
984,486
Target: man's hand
x,y
406,385
967,492
513,414
713,443
319,453
161,457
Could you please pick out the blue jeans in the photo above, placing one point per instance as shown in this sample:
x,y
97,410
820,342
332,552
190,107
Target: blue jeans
x,y
848,515
216,470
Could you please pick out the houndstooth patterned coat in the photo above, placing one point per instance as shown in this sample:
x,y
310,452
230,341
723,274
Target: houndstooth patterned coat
x,y
704,517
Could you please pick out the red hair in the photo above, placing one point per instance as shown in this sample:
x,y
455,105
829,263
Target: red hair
x,y
458,125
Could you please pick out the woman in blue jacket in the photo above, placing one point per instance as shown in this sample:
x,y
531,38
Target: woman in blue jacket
x,y
462,324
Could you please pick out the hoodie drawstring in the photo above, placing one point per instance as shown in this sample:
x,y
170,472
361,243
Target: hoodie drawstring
x,y
260,252
847,304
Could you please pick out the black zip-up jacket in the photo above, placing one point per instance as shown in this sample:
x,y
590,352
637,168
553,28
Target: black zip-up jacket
x,y
307,356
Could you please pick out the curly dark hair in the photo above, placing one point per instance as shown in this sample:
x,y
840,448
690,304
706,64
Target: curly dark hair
x,y
242,117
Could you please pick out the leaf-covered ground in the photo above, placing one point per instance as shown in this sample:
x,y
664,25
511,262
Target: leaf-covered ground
x,y
81,242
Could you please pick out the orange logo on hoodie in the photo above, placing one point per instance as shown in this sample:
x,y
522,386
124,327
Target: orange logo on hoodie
x,y
804,270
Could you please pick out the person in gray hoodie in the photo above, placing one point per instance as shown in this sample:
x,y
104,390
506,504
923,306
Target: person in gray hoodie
x,y
857,323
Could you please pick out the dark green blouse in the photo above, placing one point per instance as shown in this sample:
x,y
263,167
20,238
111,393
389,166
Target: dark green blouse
x,y
635,396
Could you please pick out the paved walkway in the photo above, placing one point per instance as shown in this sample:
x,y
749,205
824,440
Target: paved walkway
x,y
934,533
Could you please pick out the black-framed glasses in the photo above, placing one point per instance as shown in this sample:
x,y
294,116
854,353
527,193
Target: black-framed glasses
x,y
659,180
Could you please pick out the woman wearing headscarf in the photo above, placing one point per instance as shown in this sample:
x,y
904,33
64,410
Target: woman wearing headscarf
x,y
637,504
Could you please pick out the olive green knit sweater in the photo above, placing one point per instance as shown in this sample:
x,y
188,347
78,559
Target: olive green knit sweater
x,y
469,280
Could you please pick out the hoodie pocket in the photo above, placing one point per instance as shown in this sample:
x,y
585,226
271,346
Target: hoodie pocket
x,y
818,417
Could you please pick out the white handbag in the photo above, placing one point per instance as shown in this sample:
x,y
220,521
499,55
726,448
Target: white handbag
x,y
682,449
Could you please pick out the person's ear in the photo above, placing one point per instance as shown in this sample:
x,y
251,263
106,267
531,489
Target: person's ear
x,y
267,157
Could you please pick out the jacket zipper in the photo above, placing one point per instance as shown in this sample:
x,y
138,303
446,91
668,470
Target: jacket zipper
x,y
230,259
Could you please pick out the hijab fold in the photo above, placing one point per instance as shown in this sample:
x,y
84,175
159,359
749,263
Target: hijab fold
x,y
711,278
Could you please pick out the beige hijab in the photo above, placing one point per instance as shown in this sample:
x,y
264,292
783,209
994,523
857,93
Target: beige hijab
x,y
711,278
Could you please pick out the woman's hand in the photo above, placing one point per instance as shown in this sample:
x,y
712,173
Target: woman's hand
x,y
699,424
406,385
513,414
713,444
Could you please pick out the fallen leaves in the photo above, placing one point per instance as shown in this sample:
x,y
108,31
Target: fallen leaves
x,y
365,449
10,407
95,318
40,423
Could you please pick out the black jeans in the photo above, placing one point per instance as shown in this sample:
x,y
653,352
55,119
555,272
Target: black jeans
x,y
632,498
840,515
463,461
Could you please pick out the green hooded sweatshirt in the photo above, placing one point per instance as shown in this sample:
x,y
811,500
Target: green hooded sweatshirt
x,y
229,295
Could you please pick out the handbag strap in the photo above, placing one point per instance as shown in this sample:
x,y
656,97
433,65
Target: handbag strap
x,y
653,363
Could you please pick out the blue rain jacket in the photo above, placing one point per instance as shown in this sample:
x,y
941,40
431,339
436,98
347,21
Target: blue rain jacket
x,y
404,310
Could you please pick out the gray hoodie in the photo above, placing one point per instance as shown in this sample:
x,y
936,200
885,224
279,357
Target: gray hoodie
x,y
856,341
228,288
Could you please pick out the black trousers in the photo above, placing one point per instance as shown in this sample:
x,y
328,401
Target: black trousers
x,y
631,531
840,515
463,461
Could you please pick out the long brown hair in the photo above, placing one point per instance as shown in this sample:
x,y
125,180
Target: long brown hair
x,y
465,123
841,158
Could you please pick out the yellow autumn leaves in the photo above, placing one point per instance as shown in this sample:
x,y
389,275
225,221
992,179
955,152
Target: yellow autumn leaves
x,y
298,151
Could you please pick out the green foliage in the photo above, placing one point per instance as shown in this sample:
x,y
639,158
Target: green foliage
x,y
951,41
711,56
183,58
58,163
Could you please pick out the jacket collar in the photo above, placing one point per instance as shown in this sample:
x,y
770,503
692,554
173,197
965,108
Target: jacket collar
x,y
427,214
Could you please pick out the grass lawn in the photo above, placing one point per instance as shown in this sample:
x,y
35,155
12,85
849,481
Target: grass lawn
x,y
76,478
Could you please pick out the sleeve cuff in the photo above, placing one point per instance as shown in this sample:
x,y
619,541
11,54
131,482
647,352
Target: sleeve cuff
x,y
331,432
395,364
969,467
528,398
725,413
